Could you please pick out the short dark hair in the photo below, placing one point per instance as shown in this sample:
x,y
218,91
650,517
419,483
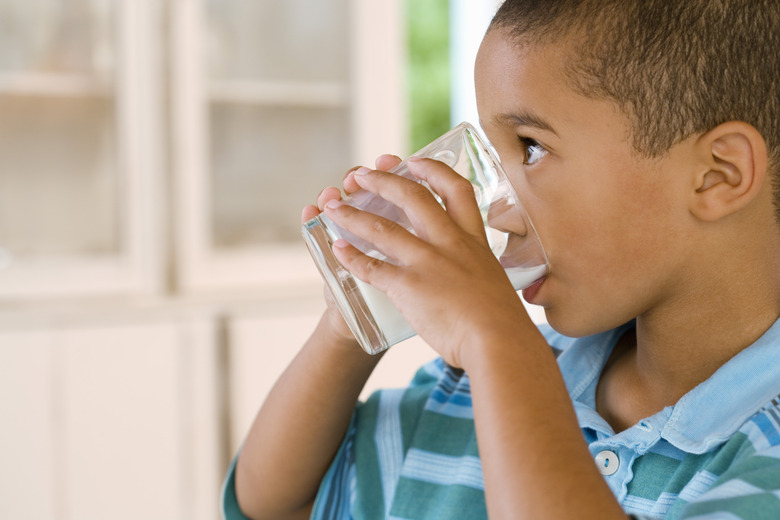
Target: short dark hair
x,y
677,68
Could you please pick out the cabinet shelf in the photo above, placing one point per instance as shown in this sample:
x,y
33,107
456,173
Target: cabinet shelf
x,y
297,93
54,85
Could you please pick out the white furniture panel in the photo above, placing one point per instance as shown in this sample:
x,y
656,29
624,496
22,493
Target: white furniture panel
x,y
123,422
112,418
30,410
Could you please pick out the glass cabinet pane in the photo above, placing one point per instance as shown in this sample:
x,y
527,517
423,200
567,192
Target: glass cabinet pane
x,y
58,185
71,36
277,40
59,174
284,133
269,162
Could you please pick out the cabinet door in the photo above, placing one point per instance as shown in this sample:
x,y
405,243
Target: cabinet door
x,y
271,106
78,147
111,420
29,407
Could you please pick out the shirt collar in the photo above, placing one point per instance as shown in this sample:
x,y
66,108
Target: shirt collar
x,y
706,416
714,410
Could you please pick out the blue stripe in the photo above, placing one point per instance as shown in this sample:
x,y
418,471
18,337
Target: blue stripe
x,y
768,428
460,399
337,490
450,405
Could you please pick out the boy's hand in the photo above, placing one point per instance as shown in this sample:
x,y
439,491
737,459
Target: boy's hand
x,y
447,283
384,162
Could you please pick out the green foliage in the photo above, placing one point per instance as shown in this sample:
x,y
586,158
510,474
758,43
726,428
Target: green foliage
x,y
428,72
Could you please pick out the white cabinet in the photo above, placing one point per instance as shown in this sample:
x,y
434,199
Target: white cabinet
x,y
154,158
79,148
127,413
110,418
147,145
274,101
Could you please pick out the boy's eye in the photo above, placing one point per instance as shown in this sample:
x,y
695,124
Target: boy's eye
x,y
532,150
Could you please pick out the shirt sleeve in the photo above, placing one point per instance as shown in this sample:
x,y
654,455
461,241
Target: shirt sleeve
x,y
337,491
230,509
334,498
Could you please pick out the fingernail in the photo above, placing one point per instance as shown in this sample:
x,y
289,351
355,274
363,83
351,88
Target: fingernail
x,y
340,243
333,204
362,170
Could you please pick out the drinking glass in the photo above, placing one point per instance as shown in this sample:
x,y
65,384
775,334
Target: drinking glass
x,y
369,313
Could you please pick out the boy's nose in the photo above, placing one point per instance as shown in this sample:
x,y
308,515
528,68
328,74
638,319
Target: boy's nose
x,y
505,213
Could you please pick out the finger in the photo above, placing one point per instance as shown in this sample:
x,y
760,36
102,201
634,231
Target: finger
x,y
348,183
367,269
309,212
426,215
387,162
327,194
384,162
386,236
456,192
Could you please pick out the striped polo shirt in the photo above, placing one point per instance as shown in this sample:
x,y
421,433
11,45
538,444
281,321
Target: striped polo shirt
x,y
412,453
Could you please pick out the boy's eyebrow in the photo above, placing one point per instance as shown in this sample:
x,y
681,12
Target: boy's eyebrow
x,y
524,119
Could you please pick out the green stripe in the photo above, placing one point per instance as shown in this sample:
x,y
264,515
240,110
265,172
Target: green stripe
x,y
369,480
426,501
412,406
459,440
737,447
652,473
759,471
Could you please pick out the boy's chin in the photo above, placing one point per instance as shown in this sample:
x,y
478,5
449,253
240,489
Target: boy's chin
x,y
578,324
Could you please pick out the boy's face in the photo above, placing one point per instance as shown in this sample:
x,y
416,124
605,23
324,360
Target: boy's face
x,y
612,223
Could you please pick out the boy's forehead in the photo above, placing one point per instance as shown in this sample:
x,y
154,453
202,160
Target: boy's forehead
x,y
503,56
506,70
527,86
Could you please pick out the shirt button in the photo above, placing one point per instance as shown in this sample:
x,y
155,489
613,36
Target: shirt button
x,y
607,462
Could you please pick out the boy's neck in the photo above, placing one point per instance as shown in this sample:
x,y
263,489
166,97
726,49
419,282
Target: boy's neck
x,y
680,345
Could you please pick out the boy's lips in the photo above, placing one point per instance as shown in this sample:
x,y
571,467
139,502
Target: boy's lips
x,y
530,292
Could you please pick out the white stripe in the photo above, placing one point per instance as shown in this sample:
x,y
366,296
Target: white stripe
x,y
732,489
719,515
389,443
450,409
445,470
635,504
698,485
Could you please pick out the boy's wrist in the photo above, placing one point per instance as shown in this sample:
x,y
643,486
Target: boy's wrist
x,y
333,331
501,349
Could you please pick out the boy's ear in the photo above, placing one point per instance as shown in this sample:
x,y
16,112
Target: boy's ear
x,y
732,168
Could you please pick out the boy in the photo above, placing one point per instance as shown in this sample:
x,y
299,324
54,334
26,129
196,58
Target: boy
x,y
642,137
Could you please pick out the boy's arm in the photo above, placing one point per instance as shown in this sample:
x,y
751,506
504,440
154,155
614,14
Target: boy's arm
x,y
456,295
300,426
302,422
535,461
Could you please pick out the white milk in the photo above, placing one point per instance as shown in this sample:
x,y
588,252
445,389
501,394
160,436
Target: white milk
x,y
386,316
522,277
393,325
